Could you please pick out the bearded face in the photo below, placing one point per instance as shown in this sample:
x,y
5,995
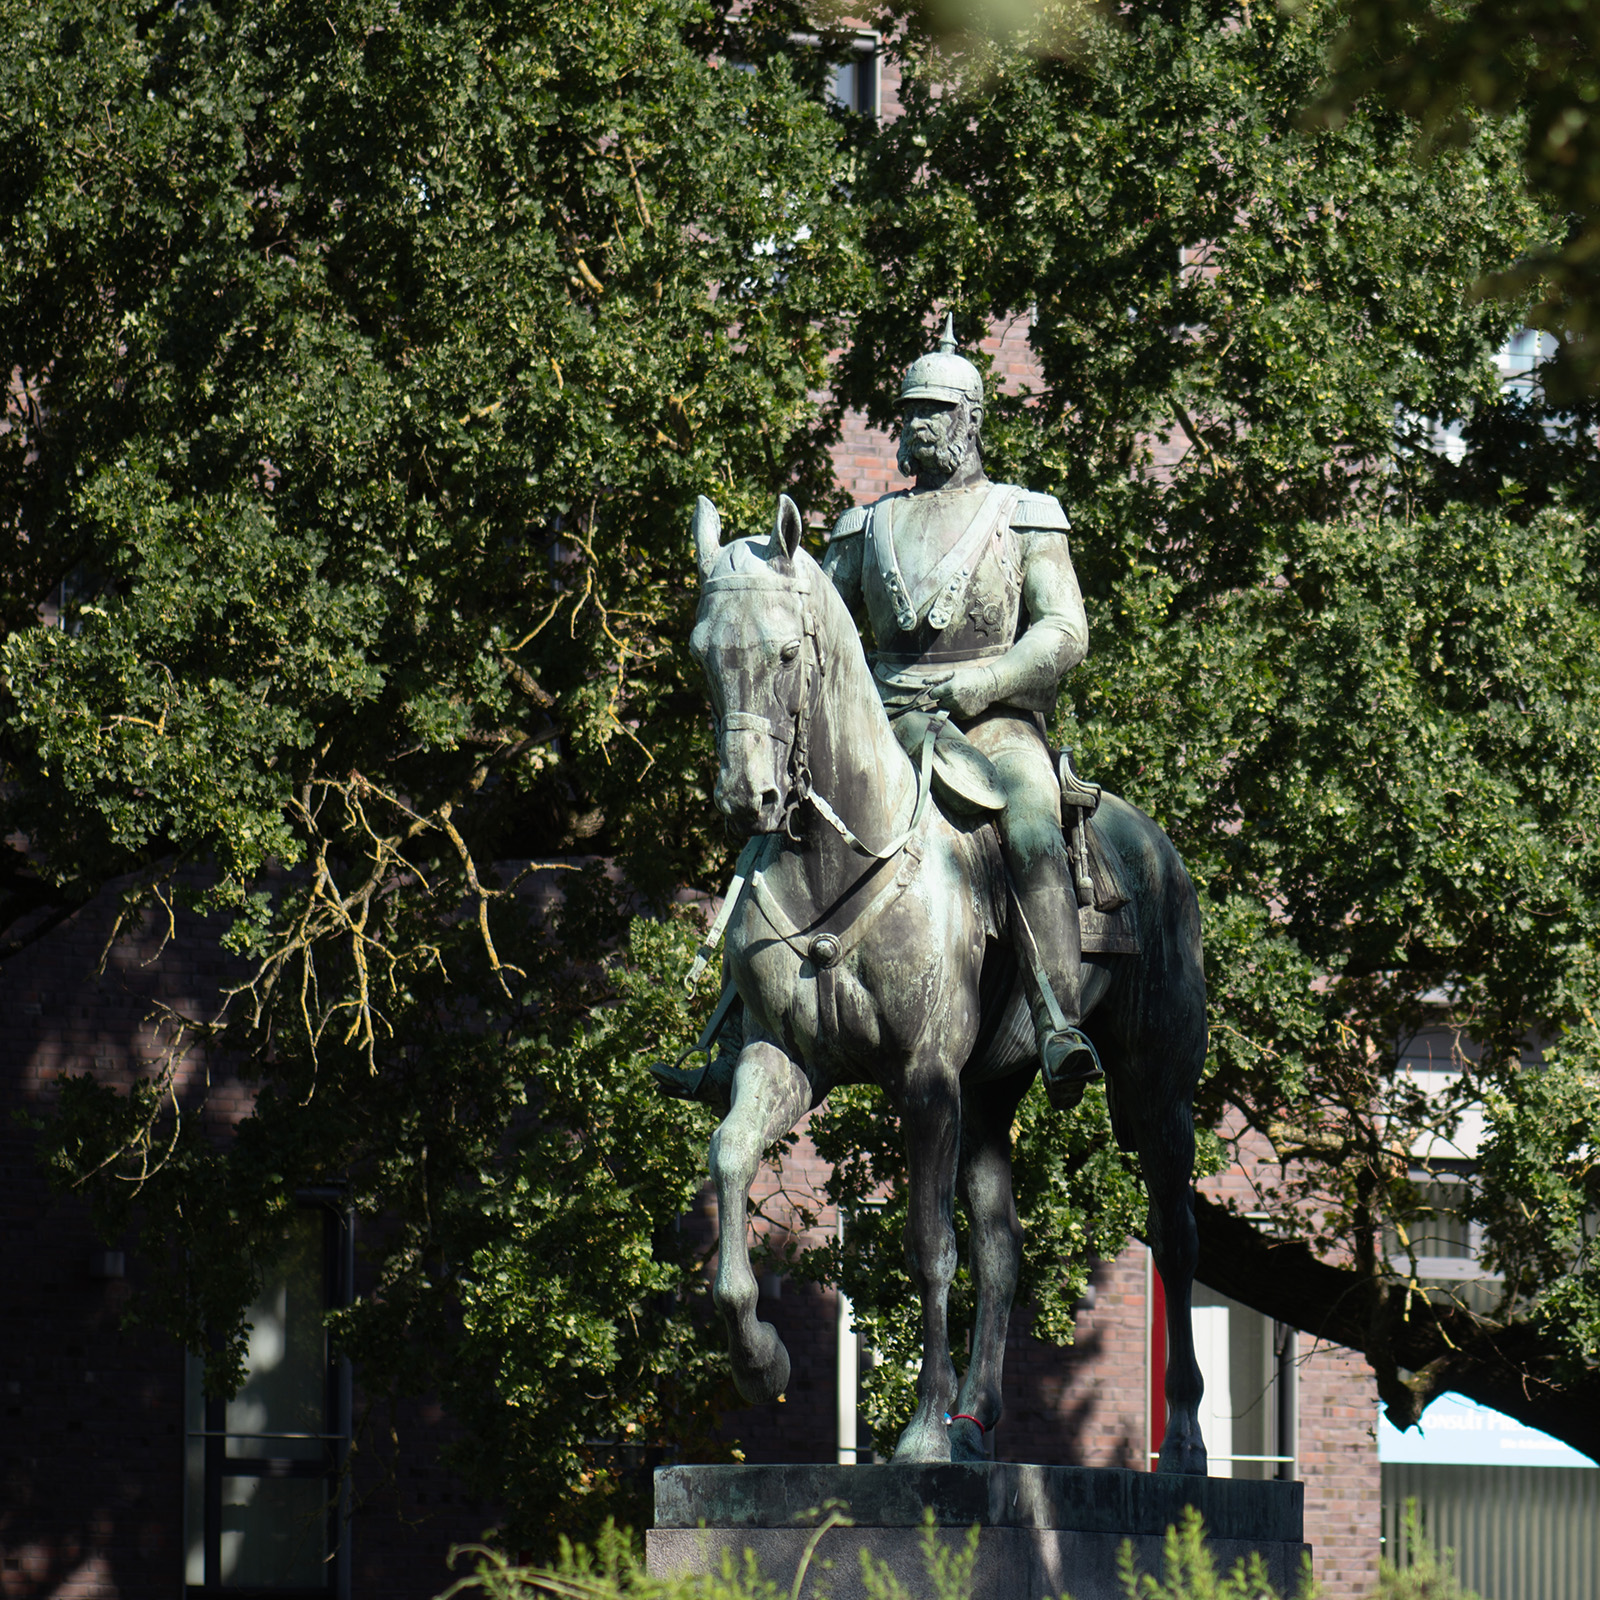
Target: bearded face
x,y
935,437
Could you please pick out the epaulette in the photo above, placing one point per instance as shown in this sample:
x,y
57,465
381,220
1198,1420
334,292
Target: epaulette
x,y
1039,511
853,521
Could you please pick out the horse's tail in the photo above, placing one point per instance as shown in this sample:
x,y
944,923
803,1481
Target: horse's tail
x,y
1151,1027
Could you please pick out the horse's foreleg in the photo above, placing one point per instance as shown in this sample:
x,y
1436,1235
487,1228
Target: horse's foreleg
x,y
996,1258
770,1095
931,1118
1166,1154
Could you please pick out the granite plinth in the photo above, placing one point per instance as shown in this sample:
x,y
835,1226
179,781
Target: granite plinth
x,y
1043,1531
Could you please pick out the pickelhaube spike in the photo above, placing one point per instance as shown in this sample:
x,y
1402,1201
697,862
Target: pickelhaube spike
x,y
942,374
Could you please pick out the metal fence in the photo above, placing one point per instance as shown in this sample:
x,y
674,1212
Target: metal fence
x,y
1518,1533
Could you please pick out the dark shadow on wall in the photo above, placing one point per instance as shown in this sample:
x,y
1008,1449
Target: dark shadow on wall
x,y
92,1425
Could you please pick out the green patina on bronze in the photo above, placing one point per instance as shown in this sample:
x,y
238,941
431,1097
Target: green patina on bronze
x,y
873,936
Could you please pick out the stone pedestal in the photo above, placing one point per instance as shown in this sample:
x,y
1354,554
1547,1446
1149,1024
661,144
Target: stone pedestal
x,y
1043,1531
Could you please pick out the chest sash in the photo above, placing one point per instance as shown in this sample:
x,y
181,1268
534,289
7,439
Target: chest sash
x,y
940,591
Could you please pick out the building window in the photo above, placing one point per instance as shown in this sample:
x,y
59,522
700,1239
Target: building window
x,y
1521,356
1519,1509
1247,1414
855,79
264,1491
1250,1410
1519,360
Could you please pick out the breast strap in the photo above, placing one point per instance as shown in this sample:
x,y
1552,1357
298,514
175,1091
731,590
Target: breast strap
x,y
819,945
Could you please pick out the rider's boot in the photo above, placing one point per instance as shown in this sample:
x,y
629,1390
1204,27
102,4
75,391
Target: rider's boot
x,y
1050,907
712,1084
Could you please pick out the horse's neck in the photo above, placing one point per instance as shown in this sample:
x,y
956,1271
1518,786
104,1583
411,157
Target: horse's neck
x,y
856,765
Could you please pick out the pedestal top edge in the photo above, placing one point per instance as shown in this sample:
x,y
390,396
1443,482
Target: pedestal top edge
x,y
990,1494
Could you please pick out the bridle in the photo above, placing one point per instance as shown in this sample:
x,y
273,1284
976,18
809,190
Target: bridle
x,y
796,735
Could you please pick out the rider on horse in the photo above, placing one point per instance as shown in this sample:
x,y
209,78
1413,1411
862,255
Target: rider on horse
x,y
861,923
975,610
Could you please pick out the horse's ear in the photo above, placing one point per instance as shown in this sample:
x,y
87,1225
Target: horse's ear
x,y
707,530
786,528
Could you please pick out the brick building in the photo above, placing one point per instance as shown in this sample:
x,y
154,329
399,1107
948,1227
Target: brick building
x,y
102,1473
114,1479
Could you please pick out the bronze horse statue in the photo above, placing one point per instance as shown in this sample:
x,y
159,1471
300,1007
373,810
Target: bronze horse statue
x,y
869,943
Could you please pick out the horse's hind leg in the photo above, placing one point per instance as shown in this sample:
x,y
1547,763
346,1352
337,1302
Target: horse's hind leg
x,y
996,1254
1166,1155
930,1114
770,1095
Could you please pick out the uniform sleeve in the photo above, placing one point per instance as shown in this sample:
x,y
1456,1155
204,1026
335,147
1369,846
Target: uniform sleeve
x,y
1056,639
842,559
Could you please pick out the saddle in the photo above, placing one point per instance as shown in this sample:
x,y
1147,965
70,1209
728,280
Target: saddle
x,y
965,783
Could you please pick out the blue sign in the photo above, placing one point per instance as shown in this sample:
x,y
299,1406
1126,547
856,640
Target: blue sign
x,y
1455,1431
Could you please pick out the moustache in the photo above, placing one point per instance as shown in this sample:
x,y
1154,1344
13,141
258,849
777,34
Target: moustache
x,y
915,452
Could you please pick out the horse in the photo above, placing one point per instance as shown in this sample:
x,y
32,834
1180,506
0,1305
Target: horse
x,y
871,942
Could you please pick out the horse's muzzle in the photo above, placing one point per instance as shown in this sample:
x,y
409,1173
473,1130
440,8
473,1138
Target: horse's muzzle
x,y
748,812
749,790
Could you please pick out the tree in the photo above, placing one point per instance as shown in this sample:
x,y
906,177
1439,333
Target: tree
x,y
364,366
1532,59
1353,679
362,363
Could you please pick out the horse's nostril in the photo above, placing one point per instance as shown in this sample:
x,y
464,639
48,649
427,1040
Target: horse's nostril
x,y
769,799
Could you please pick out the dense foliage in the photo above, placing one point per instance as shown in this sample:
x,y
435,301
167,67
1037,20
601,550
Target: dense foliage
x,y
1189,1571
363,361
363,364
1342,596
1536,59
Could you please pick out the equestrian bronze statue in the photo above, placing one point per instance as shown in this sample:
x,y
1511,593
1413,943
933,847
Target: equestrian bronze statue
x,y
930,900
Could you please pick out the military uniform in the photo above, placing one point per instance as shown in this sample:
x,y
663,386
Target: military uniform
x,y
975,583
964,577
982,577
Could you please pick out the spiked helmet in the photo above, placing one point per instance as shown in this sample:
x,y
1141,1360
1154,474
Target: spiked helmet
x,y
942,374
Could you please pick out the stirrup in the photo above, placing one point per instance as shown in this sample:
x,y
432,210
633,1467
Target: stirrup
x,y
710,1085
1070,1065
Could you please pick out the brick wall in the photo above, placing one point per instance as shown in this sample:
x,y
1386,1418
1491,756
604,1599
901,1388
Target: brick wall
x,y
92,1437
1339,1463
1087,1405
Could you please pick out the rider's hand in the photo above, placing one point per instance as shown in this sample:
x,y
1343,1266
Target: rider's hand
x,y
966,693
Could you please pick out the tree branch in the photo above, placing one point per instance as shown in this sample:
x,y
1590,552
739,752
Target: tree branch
x,y
1416,1348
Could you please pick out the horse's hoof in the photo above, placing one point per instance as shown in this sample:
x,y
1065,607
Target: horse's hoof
x,y
922,1444
766,1375
1188,1456
966,1441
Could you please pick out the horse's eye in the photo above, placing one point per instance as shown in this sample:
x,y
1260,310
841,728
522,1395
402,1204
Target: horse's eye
x,y
790,650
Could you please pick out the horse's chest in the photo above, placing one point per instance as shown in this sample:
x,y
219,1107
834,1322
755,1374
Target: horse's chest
x,y
820,1013
880,998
